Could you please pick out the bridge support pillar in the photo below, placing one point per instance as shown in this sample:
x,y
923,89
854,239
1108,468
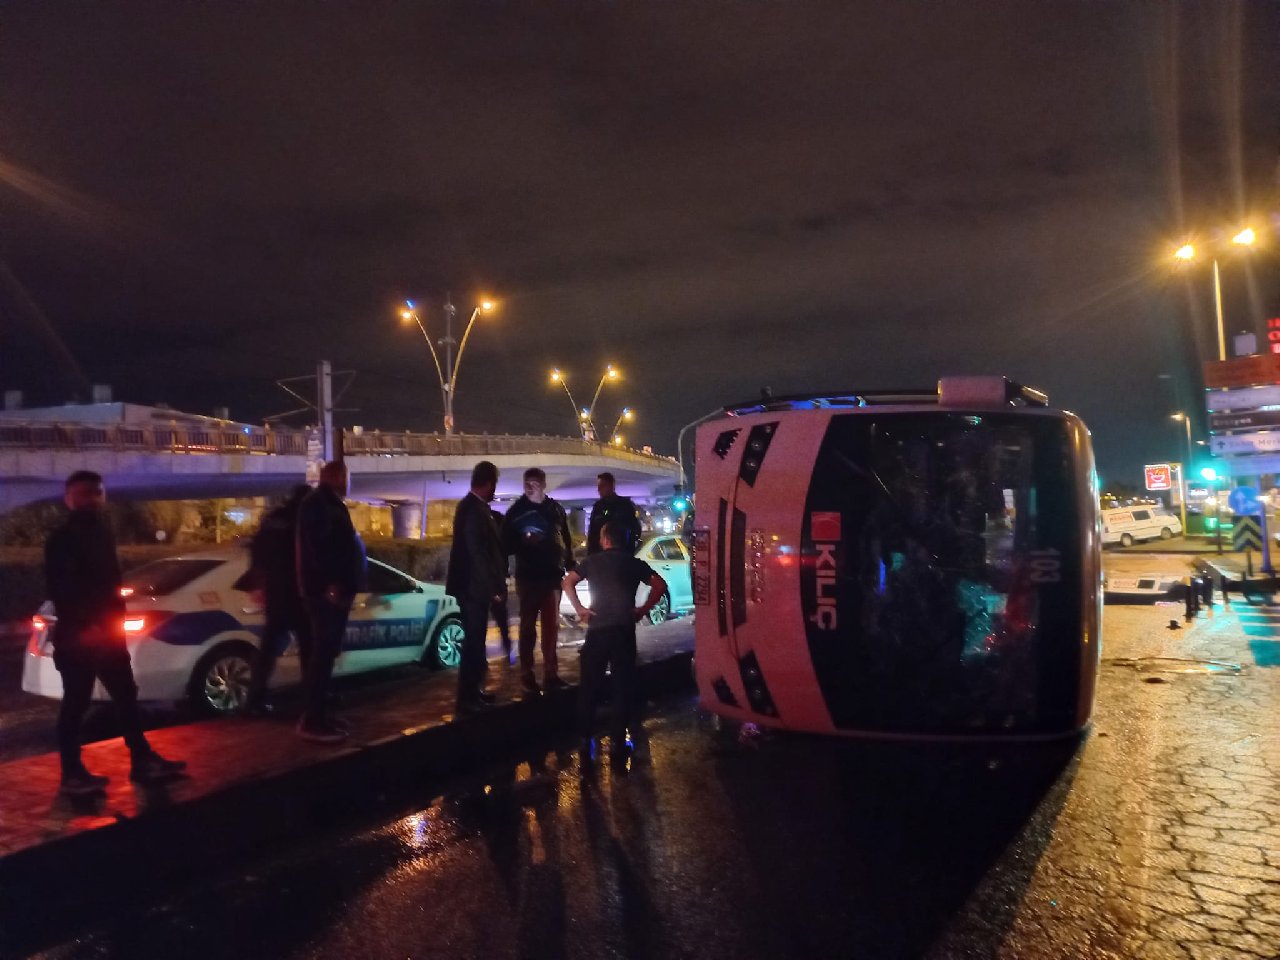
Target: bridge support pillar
x,y
406,519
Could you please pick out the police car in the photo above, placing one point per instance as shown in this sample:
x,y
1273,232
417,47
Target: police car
x,y
192,635
669,557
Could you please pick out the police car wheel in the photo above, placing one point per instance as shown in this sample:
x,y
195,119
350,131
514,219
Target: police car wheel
x,y
445,648
661,611
220,681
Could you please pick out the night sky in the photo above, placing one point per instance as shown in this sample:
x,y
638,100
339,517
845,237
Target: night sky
x,y
197,199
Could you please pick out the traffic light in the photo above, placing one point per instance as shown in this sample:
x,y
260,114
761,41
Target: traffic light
x,y
680,504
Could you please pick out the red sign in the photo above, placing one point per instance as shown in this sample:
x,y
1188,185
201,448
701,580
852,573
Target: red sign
x,y
1159,476
824,525
1254,370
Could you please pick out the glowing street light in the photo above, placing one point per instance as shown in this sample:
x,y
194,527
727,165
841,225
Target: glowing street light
x,y
1187,253
446,373
627,415
586,415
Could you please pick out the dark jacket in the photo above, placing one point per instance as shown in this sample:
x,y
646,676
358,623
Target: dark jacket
x,y
477,566
82,573
273,555
537,534
613,507
330,552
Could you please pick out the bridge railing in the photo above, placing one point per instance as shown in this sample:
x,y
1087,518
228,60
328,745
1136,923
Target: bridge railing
x,y
253,441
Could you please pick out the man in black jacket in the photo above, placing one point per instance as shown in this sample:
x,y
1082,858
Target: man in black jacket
x,y
83,576
477,579
612,506
331,571
273,573
536,531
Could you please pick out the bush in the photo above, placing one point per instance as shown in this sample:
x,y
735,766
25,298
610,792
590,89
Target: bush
x,y
424,559
22,587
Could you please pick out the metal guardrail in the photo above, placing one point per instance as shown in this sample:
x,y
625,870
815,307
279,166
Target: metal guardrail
x,y
259,441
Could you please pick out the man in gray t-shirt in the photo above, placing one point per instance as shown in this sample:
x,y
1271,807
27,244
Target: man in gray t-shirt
x,y
614,576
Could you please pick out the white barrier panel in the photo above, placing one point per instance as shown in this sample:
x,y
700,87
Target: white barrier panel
x,y
1266,442
1244,398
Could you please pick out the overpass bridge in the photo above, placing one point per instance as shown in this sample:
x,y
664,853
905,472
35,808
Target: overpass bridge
x,y
185,460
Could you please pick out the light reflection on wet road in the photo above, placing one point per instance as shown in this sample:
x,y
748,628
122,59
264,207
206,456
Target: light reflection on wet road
x,y
783,847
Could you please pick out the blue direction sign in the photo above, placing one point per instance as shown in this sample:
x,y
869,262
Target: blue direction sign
x,y
1244,501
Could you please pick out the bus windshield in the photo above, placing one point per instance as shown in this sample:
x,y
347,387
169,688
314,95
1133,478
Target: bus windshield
x,y
953,534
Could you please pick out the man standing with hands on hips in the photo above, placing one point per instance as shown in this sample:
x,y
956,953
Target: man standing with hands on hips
x,y
477,579
614,575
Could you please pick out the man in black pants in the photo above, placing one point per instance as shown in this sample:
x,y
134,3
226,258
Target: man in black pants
x,y
536,531
331,571
273,578
83,576
614,575
477,579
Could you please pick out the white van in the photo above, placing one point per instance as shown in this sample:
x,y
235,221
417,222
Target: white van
x,y
1128,525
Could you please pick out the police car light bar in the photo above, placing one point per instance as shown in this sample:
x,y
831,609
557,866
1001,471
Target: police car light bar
x,y
987,392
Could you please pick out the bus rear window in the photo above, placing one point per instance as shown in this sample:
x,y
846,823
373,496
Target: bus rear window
x,y
162,577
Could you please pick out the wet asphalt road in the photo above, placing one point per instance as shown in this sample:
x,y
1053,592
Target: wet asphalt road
x,y
716,846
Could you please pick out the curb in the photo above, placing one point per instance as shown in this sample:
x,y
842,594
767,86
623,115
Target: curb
x,y
136,858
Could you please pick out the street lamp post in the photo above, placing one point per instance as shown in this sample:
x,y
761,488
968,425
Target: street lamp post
x,y
1187,253
1182,471
611,374
586,415
448,373
579,412
628,415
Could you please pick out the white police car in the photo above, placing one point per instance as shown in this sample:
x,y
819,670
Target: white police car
x,y
191,634
669,557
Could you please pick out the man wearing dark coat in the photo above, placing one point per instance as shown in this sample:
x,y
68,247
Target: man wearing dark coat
x,y
477,579
82,573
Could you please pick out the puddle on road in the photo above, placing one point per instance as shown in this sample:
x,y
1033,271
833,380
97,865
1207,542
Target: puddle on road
x,y
1177,665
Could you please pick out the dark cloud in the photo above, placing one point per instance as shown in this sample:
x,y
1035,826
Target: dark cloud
x,y
200,199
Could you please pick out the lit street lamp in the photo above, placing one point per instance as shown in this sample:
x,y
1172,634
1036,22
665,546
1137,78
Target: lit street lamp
x,y
579,415
448,372
611,375
1182,471
586,416
1187,252
627,415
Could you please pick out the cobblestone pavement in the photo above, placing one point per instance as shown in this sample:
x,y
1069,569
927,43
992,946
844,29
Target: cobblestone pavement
x,y
1162,839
